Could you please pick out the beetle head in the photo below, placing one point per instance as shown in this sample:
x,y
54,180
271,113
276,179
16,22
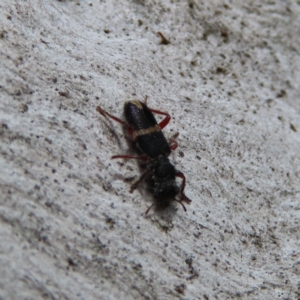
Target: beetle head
x,y
164,183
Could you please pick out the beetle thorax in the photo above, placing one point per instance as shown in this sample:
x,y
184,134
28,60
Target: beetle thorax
x,y
163,178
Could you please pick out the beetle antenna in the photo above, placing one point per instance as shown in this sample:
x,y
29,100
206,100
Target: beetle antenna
x,y
181,204
149,208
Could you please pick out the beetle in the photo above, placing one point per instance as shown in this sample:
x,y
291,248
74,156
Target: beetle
x,y
144,130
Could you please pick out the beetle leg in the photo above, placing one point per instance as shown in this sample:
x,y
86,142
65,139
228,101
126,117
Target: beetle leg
x,y
105,113
148,209
181,204
173,145
183,196
172,142
165,121
134,186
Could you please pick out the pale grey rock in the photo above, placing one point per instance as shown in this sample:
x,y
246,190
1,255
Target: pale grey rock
x,y
70,229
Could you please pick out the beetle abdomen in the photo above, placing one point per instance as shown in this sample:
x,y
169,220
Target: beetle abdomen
x,y
146,131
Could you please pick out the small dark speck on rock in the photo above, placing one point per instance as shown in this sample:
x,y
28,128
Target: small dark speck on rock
x,y
164,41
24,108
281,94
64,94
220,70
180,288
71,262
293,127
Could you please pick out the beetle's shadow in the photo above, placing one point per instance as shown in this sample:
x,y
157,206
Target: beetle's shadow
x,y
113,131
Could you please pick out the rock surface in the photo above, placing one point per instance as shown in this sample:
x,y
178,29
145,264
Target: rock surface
x,y
228,75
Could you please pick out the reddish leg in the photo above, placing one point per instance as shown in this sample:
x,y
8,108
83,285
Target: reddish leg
x,y
181,204
172,142
165,121
105,113
134,186
144,158
183,196
148,209
173,145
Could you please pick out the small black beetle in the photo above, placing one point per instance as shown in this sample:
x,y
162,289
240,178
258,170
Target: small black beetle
x,y
143,128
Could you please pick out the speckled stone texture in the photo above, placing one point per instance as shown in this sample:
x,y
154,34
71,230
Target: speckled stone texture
x,y
229,77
